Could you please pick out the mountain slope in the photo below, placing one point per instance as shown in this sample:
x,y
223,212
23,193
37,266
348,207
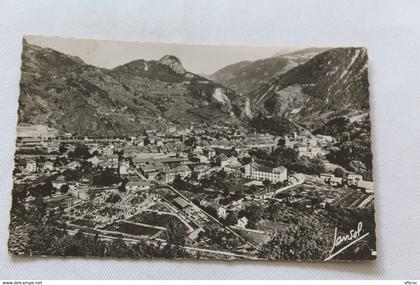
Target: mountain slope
x,y
332,83
244,76
63,92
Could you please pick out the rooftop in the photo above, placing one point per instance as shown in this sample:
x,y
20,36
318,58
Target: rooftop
x,y
181,202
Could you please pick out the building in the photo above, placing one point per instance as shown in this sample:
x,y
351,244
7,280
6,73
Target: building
x,y
242,222
108,150
124,168
94,160
228,160
211,153
183,205
137,185
31,166
35,131
201,170
169,174
324,140
112,158
259,172
52,147
48,166
366,186
58,182
353,179
336,181
221,212
296,178
151,171
72,165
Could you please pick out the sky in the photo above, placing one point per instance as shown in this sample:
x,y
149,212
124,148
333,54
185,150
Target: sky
x,y
201,59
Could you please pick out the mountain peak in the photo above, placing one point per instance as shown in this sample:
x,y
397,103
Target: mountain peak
x,y
173,62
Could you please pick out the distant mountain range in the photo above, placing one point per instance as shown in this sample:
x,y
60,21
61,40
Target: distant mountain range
x,y
65,93
245,76
330,84
307,86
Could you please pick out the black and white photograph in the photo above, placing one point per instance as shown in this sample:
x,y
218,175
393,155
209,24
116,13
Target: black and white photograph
x,y
177,151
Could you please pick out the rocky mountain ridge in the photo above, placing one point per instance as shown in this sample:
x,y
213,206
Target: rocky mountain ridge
x,y
61,91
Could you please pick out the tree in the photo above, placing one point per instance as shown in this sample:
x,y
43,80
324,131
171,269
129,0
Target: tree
x,y
239,193
226,191
302,241
253,188
46,189
274,211
122,188
178,183
46,228
254,212
62,148
267,184
81,151
176,233
106,178
231,219
64,188
340,172
113,198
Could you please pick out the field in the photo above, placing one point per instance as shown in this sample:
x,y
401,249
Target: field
x,y
132,229
153,218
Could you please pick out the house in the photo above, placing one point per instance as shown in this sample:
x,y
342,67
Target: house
x,y
326,202
94,160
139,162
108,150
169,174
324,140
366,186
31,166
211,153
197,150
200,158
124,168
242,222
201,170
353,179
150,171
259,172
52,147
221,212
194,234
204,203
231,160
93,147
72,165
296,178
72,185
137,185
48,166
336,181
233,167
112,158
58,182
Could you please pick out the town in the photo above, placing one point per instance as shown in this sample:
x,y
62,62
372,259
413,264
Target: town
x,y
213,191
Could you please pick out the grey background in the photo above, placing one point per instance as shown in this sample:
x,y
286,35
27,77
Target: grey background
x,y
390,30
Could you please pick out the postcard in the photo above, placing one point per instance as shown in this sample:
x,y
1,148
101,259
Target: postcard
x,y
153,150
